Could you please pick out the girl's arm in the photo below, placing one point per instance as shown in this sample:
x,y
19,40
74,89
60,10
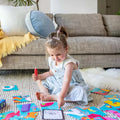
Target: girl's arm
x,y
66,82
42,76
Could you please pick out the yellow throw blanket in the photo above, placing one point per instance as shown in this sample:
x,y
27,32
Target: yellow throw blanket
x,y
9,45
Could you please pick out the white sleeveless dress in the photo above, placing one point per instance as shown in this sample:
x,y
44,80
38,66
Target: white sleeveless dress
x,y
78,91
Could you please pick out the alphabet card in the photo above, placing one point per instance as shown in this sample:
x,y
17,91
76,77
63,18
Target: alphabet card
x,y
10,88
114,96
100,91
113,102
29,111
76,113
92,110
108,107
49,105
18,99
10,115
28,108
97,117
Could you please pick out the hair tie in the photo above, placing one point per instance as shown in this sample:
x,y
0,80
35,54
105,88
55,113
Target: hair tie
x,y
56,38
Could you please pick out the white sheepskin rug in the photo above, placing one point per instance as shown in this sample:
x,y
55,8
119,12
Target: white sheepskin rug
x,y
100,78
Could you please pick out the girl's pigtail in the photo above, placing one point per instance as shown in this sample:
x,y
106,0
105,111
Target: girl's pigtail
x,y
63,31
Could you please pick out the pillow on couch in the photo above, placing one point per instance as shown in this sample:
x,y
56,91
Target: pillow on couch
x,y
13,19
82,24
39,24
112,24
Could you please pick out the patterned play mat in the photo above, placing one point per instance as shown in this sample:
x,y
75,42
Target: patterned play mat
x,y
26,86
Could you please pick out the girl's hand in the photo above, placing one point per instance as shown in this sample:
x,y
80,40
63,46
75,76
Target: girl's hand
x,y
35,78
60,101
38,77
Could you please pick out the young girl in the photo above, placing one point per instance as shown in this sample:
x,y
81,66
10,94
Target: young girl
x,y
63,82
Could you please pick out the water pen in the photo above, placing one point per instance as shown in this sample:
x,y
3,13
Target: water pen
x,y
36,71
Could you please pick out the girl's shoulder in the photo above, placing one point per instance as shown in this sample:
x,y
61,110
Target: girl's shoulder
x,y
70,59
50,61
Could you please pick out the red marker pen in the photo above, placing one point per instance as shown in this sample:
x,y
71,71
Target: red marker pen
x,y
36,71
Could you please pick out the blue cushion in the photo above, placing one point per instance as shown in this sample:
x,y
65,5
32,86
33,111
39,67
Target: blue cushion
x,y
39,24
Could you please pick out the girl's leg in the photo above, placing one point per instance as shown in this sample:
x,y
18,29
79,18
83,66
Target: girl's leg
x,y
46,97
41,87
43,90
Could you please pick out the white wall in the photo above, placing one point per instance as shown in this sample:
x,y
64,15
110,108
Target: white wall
x,y
3,2
44,6
65,6
74,6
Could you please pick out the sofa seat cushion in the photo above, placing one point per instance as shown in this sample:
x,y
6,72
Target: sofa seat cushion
x,y
94,45
82,24
78,45
112,23
34,48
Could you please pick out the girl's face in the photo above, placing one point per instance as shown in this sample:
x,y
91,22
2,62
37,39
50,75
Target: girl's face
x,y
57,54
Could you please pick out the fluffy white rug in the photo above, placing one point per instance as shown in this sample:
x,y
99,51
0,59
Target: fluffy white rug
x,y
98,77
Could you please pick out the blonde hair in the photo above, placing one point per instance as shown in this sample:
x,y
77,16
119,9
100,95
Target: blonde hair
x,y
58,38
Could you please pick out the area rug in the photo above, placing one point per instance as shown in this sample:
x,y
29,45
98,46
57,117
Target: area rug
x,y
94,77
101,78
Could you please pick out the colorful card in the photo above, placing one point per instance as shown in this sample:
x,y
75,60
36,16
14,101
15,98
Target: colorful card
x,y
49,105
28,111
76,113
98,117
33,107
108,107
10,88
100,91
18,99
9,115
52,114
87,118
2,103
113,102
92,110
114,96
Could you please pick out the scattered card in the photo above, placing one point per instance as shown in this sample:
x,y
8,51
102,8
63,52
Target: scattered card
x,y
49,114
114,96
33,107
92,110
100,91
76,113
49,105
113,102
9,115
99,117
10,88
29,111
18,99
107,107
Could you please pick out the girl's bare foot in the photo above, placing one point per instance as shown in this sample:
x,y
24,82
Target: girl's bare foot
x,y
46,96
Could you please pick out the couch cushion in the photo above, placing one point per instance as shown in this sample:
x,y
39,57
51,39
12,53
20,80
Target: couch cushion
x,y
78,45
112,23
94,45
36,47
82,24
39,24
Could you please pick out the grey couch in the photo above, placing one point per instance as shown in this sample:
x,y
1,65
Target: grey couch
x,y
94,40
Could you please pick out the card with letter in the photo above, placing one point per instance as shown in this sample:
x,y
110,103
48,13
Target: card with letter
x,y
49,114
